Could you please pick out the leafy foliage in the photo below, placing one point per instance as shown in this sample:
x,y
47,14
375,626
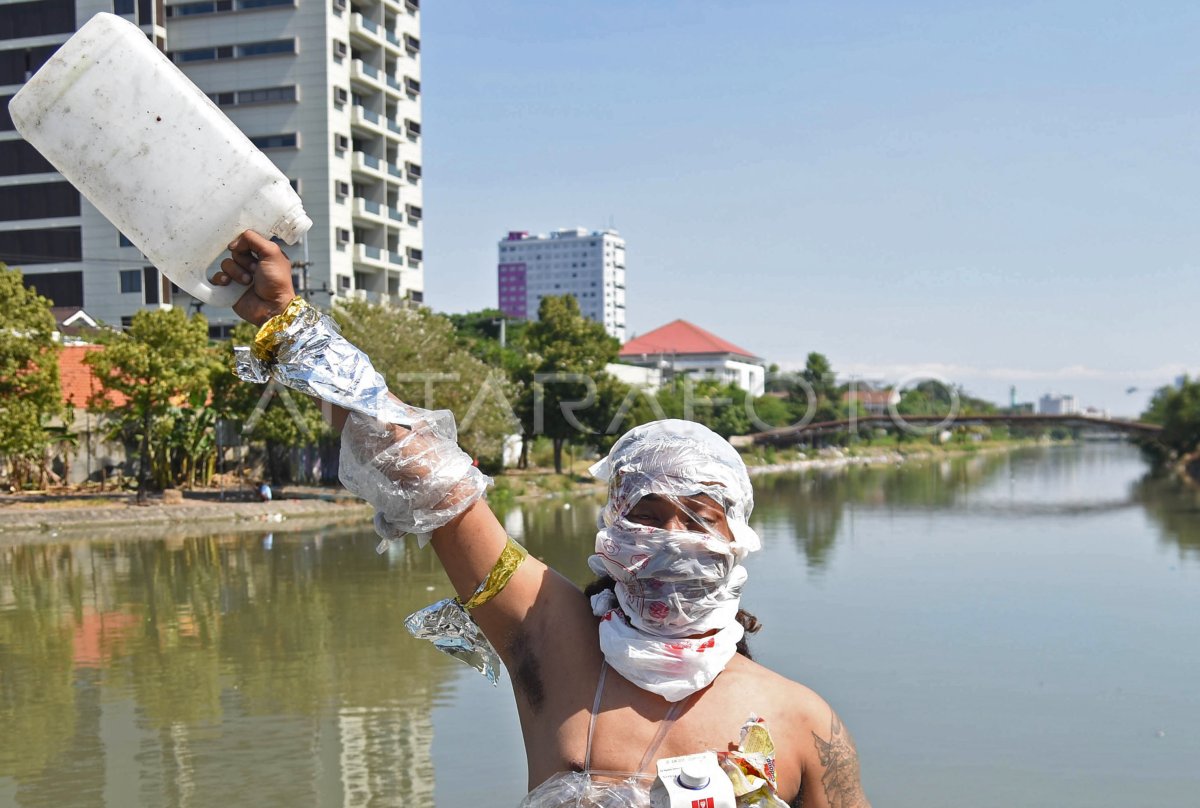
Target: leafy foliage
x,y
1177,409
30,395
425,364
563,348
158,366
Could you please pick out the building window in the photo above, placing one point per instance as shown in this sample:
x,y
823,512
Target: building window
x,y
288,141
41,246
273,47
151,283
45,200
131,281
269,48
122,241
264,95
21,20
62,288
127,322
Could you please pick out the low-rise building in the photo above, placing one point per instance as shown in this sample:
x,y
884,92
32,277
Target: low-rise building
x,y
873,402
1055,404
682,347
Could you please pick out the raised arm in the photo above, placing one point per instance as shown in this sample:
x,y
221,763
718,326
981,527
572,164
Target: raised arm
x,y
469,545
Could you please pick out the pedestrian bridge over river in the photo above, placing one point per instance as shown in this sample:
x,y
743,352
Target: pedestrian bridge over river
x,y
924,424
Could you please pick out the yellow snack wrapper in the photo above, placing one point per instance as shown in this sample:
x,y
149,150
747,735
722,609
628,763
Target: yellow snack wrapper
x,y
267,338
510,558
751,767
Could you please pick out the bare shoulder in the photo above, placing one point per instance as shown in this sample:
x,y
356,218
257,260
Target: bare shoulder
x,y
816,755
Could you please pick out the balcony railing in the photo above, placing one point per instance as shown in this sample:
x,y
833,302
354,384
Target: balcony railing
x,y
395,215
395,171
367,164
365,207
359,21
371,256
395,258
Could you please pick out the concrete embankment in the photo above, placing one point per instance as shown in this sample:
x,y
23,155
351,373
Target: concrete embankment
x,y
65,519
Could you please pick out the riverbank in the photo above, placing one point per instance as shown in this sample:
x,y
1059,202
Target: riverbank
x,y
836,457
48,516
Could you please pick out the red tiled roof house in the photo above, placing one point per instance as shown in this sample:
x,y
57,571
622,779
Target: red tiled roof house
x,y
682,347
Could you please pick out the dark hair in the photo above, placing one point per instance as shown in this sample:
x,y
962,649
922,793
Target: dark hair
x,y
750,623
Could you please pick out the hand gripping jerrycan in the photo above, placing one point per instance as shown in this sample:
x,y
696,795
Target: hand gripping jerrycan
x,y
154,154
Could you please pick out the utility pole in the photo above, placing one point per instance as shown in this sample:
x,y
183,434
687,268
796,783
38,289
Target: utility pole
x,y
303,267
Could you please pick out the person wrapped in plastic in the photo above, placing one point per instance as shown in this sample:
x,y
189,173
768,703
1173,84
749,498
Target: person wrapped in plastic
x,y
612,685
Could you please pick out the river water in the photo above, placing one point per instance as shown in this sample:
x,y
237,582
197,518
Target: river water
x,y
997,630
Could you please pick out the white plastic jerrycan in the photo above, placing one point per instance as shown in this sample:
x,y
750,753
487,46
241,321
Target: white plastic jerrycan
x,y
154,154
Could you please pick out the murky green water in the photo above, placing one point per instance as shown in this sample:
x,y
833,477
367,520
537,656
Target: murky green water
x,y
999,630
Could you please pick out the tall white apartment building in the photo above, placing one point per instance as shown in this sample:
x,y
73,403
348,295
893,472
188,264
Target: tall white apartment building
x,y
331,92
590,265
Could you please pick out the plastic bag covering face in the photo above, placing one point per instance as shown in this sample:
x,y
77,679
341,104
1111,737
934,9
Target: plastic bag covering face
x,y
451,629
674,669
676,459
670,583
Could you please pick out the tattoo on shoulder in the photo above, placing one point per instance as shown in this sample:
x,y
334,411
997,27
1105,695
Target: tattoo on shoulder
x,y
843,789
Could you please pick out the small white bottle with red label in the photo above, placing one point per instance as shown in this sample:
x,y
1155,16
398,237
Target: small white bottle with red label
x,y
692,781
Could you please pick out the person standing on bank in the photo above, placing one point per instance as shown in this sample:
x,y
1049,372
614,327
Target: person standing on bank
x,y
651,662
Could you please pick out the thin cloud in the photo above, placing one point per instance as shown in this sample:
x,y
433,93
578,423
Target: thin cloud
x,y
962,373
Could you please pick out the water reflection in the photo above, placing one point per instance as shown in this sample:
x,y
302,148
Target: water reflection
x,y
247,668
1175,507
811,507
150,671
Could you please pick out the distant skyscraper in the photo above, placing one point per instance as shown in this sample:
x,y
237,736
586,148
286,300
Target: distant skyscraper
x,y
590,265
331,92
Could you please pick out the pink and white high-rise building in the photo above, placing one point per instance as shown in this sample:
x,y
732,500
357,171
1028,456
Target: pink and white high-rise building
x,y
590,265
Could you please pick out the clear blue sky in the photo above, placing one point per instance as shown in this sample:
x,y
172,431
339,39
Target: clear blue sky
x,y
1000,192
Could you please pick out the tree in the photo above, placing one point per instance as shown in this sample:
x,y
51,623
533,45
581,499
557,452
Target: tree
x,y
565,351
820,377
1177,409
719,406
29,387
815,393
426,365
162,362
